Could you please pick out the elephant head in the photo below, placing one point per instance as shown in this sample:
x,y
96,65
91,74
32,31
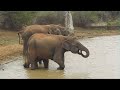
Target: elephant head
x,y
58,30
65,32
75,47
55,31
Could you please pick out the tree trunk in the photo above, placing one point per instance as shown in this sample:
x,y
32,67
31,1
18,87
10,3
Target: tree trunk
x,y
69,22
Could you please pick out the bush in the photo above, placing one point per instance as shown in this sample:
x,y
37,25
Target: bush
x,y
114,23
83,18
50,17
15,20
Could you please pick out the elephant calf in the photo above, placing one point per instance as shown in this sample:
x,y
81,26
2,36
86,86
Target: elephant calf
x,y
47,46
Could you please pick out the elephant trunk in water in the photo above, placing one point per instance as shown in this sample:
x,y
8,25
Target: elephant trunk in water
x,y
83,48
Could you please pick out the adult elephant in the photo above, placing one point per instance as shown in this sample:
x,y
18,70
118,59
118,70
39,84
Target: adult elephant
x,y
32,29
49,29
46,46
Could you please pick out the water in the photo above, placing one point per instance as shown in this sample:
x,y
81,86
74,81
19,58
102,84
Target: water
x,y
103,63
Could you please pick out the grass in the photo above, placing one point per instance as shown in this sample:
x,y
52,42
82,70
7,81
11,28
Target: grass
x,y
9,50
9,45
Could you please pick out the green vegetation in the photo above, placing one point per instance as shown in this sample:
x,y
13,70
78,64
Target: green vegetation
x,y
16,19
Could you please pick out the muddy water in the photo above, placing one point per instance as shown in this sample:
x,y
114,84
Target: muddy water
x,y
103,63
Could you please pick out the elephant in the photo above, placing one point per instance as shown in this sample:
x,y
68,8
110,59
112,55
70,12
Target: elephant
x,y
50,29
27,31
45,61
48,46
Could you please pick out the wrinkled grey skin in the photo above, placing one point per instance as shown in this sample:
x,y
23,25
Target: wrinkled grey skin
x,y
27,31
46,46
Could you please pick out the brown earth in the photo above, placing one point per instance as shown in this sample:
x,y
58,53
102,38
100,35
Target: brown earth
x,y
9,45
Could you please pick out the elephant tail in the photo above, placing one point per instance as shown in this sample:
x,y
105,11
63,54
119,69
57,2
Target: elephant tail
x,y
19,37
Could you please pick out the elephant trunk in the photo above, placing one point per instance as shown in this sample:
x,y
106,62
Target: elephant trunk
x,y
83,48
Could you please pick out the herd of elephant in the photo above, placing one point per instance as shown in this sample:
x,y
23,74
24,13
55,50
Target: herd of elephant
x,y
44,42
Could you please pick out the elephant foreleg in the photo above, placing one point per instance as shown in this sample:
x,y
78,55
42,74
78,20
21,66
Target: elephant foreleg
x,y
61,65
60,61
59,58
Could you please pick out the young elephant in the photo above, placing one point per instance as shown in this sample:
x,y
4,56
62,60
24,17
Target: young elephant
x,y
47,46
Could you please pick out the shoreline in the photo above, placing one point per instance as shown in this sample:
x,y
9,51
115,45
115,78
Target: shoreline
x,y
9,44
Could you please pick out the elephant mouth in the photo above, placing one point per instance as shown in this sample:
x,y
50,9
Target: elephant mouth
x,y
83,53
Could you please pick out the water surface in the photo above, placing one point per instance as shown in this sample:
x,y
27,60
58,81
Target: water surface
x,y
103,63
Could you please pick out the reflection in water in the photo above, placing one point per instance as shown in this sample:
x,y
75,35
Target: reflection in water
x,y
103,62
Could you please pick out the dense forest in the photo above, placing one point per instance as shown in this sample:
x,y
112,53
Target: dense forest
x,y
16,19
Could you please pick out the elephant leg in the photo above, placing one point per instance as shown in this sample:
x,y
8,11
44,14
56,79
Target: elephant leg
x,y
34,65
33,62
61,64
40,61
46,63
26,64
59,58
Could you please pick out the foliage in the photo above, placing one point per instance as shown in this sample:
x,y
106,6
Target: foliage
x,y
83,18
50,17
16,19
114,23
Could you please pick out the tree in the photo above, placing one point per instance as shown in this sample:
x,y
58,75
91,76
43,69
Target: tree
x,y
17,19
69,22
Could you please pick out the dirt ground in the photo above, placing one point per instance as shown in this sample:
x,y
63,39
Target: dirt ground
x,y
9,44
82,33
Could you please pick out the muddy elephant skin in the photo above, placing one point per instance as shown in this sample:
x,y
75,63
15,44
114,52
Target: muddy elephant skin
x,y
47,46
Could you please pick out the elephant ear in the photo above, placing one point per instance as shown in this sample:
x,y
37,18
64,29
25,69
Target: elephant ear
x,y
66,45
55,31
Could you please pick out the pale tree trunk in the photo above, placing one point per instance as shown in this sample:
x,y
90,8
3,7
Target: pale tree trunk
x,y
69,22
